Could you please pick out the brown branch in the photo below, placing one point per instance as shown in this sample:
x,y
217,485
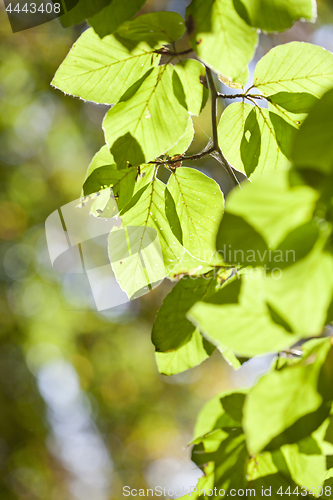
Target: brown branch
x,y
242,96
183,158
216,146
167,52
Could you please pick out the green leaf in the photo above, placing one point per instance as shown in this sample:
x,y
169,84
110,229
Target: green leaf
x,y
82,10
101,158
295,67
218,412
313,147
198,204
215,24
103,173
237,83
230,459
269,472
238,317
148,123
155,28
101,70
282,397
185,141
147,210
313,276
305,469
171,329
108,19
189,266
275,16
125,183
191,74
292,106
192,353
136,259
255,140
271,207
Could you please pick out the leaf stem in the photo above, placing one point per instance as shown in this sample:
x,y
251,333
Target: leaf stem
x,y
216,146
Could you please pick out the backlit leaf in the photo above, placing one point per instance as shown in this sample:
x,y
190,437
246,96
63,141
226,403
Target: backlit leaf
x,y
220,37
101,70
148,123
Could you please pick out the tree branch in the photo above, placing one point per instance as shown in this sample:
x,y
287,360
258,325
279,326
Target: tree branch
x,y
167,52
216,146
242,96
183,158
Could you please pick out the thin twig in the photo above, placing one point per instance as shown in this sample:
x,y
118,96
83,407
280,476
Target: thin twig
x,y
184,158
216,146
242,96
167,52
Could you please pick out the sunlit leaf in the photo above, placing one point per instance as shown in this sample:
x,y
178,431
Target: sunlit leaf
x,y
313,147
270,408
113,15
238,318
191,74
185,141
198,204
171,329
101,70
220,37
275,16
153,28
187,356
295,67
147,210
255,140
149,122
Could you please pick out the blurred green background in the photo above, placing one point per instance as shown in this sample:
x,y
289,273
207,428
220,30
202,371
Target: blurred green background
x,y
83,410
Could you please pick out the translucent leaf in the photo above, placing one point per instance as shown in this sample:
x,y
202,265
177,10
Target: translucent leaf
x,y
153,28
275,16
238,317
282,397
136,259
313,147
108,19
293,107
101,158
82,10
271,207
171,329
269,472
255,140
243,324
295,67
101,70
306,469
184,143
146,209
190,266
313,276
215,415
191,74
125,183
236,83
230,458
149,122
213,24
192,353
198,205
